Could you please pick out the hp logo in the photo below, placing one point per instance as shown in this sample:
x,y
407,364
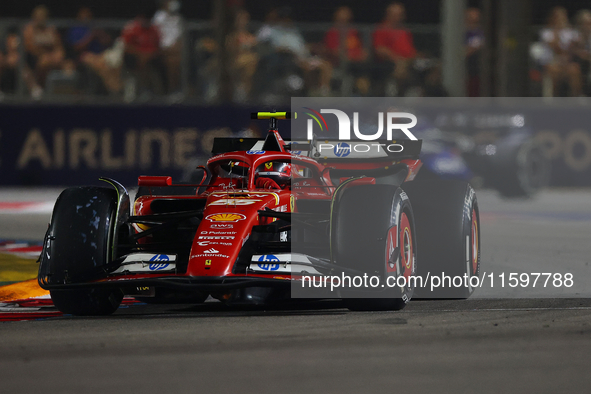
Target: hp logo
x,y
342,149
158,266
268,267
160,257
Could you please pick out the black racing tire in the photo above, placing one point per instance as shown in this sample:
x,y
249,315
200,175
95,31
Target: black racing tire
x,y
527,172
517,169
79,242
447,224
78,248
91,301
369,222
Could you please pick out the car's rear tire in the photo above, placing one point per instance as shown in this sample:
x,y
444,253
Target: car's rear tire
x,y
78,249
447,224
526,171
515,166
373,232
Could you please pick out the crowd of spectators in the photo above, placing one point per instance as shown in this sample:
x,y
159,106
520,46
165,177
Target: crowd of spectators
x,y
277,58
563,54
144,59
141,60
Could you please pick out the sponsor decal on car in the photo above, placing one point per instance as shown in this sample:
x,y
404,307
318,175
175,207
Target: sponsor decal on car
x,y
294,152
221,226
216,237
283,236
146,262
283,263
160,257
282,208
208,243
246,195
148,257
255,152
234,201
299,185
342,149
225,217
392,244
158,266
218,232
210,255
267,266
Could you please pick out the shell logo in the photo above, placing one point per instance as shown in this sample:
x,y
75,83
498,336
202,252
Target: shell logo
x,y
225,217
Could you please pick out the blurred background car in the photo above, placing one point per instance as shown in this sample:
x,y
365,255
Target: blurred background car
x,y
506,158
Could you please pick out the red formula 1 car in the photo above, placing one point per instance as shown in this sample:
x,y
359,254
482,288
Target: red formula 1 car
x,y
266,216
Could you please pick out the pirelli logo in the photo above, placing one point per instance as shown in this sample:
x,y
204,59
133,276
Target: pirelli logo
x,y
216,237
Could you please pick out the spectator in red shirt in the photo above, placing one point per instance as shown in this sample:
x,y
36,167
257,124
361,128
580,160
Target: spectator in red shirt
x,y
474,44
142,53
391,40
345,49
141,38
394,44
342,40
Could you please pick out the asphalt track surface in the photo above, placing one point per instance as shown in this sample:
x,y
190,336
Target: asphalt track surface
x,y
540,345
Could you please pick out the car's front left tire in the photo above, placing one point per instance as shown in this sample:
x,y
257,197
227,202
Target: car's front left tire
x,y
93,301
78,249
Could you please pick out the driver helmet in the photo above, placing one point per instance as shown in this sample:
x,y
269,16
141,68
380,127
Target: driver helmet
x,y
280,172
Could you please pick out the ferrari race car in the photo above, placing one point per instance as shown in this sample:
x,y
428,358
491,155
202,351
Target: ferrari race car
x,y
268,218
